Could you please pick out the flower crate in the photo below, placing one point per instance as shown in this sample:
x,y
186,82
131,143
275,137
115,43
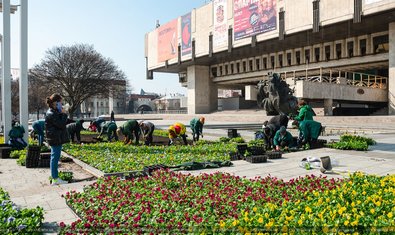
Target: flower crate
x,y
33,156
5,152
242,148
257,150
256,159
44,160
274,155
234,156
318,144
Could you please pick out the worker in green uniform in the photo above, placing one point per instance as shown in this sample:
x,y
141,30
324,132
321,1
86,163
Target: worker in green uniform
x,y
309,131
109,128
282,139
129,128
305,112
197,127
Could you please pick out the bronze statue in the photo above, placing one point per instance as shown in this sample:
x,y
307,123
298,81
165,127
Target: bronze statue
x,y
275,96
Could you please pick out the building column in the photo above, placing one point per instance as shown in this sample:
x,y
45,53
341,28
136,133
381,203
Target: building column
x,y
6,70
95,107
202,92
328,107
391,74
23,80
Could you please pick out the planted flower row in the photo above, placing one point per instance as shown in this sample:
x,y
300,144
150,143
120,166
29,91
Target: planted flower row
x,y
14,220
352,142
117,157
170,201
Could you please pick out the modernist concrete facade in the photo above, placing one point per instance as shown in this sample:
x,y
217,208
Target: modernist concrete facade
x,y
331,51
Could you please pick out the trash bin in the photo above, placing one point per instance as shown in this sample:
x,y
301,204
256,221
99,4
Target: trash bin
x,y
232,133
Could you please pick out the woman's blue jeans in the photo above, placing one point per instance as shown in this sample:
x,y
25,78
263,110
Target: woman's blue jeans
x,y
55,156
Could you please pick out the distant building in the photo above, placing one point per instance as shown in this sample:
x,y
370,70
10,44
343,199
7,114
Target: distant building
x,y
172,102
143,102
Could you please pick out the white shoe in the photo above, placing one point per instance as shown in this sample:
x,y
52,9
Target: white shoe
x,y
58,181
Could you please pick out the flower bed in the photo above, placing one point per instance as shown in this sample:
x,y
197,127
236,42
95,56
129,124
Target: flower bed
x,y
174,201
14,220
352,142
117,157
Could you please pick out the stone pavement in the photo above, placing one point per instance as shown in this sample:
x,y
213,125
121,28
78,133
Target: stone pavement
x,y
30,187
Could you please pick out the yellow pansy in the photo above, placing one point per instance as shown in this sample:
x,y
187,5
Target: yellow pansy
x,y
346,223
389,215
254,209
260,220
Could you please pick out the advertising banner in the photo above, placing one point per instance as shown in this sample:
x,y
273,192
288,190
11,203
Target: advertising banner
x,y
167,41
220,37
254,17
186,36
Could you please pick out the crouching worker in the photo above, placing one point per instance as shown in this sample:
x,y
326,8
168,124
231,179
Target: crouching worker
x,y
176,130
129,128
197,127
269,131
74,129
109,128
309,131
282,139
16,136
147,129
38,129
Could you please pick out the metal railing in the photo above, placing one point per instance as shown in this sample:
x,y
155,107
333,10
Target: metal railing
x,y
335,76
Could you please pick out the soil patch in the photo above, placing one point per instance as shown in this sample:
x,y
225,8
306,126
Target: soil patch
x,y
79,174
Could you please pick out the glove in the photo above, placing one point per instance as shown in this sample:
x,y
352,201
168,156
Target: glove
x,y
202,135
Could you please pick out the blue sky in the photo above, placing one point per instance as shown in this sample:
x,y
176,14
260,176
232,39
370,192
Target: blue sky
x,y
115,28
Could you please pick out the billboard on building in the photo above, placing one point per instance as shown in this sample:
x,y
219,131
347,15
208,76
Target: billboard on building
x,y
220,37
186,35
253,17
167,41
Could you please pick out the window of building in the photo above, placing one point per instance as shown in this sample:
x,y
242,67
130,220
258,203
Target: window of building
x,y
380,44
226,69
272,58
244,66
214,71
350,49
317,54
258,64
101,103
237,67
232,68
251,64
220,71
307,55
117,104
327,52
362,47
265,63
338,51
280,60
297,55
289,59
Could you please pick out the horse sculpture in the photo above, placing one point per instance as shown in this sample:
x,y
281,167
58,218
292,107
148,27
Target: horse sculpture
x,y
275,96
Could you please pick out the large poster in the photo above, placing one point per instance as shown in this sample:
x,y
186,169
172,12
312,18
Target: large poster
x,y
186,41
220,23
167,41
254,17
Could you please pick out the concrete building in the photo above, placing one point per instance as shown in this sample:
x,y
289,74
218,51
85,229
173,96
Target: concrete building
x,y
335,53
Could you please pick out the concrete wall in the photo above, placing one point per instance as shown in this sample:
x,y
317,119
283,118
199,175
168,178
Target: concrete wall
x,y
316,90
330,12
371,6
298,15
204,25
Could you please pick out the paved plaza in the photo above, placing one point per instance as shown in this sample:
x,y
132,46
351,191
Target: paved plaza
x,y
30,187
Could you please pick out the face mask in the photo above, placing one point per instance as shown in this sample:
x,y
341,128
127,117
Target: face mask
x,y
59,106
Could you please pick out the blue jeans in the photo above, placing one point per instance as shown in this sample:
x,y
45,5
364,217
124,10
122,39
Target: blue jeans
x,y
55,156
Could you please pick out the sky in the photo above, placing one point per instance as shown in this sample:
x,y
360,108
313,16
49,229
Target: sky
x,y
115,28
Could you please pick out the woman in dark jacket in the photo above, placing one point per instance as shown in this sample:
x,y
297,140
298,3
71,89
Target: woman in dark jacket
x,y
55,133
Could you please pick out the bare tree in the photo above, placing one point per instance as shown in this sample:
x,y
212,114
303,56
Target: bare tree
x,y
78,72
37,94
15,98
